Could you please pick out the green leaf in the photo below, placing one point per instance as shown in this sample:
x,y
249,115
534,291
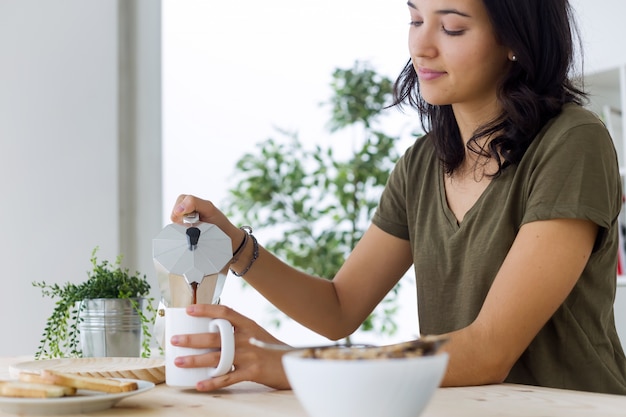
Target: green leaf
x,y
61,334
320,204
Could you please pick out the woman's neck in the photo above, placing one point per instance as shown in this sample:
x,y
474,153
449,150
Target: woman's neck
x,y
470,118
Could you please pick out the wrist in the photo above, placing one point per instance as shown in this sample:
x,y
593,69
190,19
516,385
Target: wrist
x,y
243,242
245,254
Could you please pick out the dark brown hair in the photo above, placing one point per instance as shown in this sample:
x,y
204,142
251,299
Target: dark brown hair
x,y
541,33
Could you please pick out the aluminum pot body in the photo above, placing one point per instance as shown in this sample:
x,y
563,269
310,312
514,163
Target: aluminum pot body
x,y
110,327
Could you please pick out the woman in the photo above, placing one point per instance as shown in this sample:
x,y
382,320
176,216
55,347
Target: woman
x,y
507,209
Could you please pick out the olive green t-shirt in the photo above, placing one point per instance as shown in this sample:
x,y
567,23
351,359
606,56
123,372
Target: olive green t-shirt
x,y
569,171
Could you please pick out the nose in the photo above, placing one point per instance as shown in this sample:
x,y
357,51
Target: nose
x,y
422,42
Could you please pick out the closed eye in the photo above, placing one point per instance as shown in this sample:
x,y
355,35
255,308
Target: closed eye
x,y
452,32
418,23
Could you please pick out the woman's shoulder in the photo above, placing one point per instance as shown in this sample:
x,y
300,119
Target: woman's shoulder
x,y
574,115
574,124
573,135
417,159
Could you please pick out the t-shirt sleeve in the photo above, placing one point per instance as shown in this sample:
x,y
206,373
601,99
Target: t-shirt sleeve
x,y
391,215
575,176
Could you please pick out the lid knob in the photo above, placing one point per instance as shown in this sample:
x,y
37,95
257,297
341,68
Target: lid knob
x,y
193,235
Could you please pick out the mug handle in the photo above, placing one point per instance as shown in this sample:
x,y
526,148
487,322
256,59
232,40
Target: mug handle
x,y
227,355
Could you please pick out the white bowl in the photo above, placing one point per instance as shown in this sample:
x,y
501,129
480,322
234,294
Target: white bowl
x,y
399,387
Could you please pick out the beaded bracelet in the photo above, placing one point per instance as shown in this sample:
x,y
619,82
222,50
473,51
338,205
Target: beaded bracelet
x,y
255,255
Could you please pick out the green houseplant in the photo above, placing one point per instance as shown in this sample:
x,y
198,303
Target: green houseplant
x,y
61,335
320,204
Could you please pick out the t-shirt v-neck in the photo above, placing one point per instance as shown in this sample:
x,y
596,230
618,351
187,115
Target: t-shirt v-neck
x,y
445,207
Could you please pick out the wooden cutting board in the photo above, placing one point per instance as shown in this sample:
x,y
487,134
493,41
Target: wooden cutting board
x,y
146,369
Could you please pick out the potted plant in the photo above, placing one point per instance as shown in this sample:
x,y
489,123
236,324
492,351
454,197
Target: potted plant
x,y
301,191
106,283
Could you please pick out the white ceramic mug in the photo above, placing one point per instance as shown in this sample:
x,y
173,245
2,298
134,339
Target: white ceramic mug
x,y
178,322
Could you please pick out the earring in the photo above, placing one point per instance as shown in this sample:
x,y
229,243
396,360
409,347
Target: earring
x,y
514,58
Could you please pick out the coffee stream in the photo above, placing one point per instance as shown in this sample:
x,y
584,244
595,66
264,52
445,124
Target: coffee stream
x,y
194,289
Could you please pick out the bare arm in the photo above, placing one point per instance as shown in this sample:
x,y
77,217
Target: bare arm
x,y
539,272
335,308
332,308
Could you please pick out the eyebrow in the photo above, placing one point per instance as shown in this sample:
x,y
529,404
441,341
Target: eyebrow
x,y
443,11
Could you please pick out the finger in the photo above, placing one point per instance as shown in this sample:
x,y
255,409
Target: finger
x,y
184,204
206,360
180,198
220,311
222,381
245,328
199,340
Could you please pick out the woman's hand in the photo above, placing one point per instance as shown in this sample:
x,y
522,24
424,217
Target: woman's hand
x,y
251,363
186,204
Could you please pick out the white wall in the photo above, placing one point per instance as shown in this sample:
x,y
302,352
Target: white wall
x,y
602,27
64,143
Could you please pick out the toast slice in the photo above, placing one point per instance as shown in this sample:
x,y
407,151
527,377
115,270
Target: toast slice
x,y
35,378
23,389
87,382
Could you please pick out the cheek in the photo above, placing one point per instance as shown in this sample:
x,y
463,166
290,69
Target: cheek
x,y
461,59
483,64
495,69
494,59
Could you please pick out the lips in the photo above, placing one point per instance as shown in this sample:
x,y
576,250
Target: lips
x,y
427,74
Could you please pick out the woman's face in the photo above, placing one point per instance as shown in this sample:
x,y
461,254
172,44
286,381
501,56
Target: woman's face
x,y
455,53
